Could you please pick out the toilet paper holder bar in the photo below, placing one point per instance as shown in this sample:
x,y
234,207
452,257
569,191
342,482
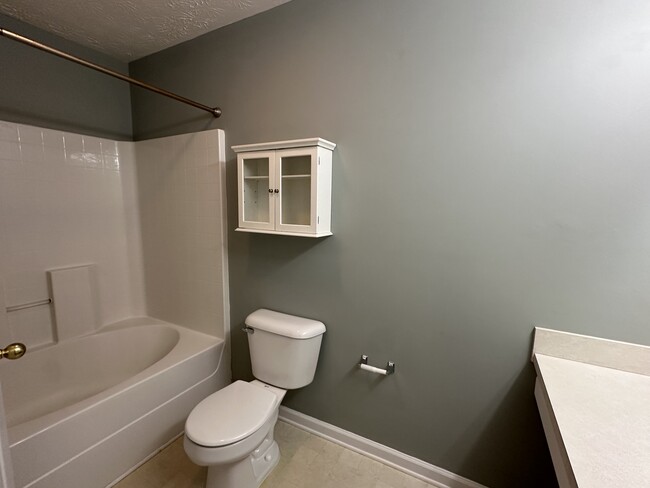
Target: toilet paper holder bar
x,y
363,364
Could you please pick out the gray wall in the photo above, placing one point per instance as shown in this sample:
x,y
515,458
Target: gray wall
x,y
37,88
491,175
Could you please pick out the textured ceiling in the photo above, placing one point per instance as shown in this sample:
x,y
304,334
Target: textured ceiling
x,y
131,29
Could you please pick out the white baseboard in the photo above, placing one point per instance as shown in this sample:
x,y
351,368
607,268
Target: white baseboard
x,y
417,468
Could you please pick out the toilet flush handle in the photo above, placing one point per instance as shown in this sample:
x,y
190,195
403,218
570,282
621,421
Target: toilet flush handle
x,y
248,330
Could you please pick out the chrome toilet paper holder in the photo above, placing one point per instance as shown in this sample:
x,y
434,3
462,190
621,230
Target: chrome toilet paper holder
x,y
363,364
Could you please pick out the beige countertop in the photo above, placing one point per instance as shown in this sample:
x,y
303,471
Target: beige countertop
x,y
596,417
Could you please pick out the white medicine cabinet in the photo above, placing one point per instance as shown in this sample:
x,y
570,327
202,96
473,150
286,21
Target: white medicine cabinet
x,y
285,187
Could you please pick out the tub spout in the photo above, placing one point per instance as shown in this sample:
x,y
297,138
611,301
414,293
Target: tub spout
x,y
13,351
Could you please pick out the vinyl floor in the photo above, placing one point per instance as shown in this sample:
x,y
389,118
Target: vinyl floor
x,y
306,461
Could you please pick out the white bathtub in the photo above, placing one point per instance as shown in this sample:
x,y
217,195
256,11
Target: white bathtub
x,y
84,412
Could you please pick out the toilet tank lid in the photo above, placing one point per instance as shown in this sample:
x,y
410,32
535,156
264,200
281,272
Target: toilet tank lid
x,y
284,324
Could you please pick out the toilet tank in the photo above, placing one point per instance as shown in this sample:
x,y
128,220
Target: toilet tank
x,y
284,348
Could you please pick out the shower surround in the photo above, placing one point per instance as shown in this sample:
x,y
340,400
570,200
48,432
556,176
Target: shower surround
x,y
66,199
148,216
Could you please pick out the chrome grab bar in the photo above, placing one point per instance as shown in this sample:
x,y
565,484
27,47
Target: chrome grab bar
x,y
23,306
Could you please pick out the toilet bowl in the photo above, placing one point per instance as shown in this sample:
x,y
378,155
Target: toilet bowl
x,y
231,431
237,443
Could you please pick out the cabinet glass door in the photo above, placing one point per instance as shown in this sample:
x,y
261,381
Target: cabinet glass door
x,y
296,171
256,184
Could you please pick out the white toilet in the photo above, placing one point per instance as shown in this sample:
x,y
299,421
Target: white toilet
x,y
231,431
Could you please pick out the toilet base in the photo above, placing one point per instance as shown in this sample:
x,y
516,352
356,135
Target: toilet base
x,y
250,472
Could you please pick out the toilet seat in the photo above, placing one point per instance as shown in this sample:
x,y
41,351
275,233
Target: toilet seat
x,y
230,414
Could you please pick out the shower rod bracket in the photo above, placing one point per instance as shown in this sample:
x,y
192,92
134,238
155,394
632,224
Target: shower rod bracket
x,y
215,111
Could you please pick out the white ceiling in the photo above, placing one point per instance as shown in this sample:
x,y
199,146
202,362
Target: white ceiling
x,y
131,29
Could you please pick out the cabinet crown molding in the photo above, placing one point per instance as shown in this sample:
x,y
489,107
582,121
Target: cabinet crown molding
x,y
294,143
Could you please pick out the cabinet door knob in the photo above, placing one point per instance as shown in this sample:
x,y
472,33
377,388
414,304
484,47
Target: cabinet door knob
x,y
270,190
276,190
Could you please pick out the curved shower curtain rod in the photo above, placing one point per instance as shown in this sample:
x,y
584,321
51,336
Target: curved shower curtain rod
x,y
216,111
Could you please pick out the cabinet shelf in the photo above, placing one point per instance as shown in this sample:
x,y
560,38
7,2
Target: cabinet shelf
x,y
256,177
296,176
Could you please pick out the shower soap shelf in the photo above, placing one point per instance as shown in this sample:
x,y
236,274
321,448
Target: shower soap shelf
x,y
285,187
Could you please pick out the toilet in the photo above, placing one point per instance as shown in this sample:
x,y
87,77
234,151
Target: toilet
x,y
231,431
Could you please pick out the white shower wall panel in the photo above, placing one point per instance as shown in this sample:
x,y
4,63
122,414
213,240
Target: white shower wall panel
x,y
154,227
182,208
65,200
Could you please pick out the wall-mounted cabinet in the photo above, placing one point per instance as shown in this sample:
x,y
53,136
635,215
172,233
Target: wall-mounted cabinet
x,y
285,187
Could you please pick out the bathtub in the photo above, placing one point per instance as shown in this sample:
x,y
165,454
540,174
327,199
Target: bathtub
x,y
85,412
